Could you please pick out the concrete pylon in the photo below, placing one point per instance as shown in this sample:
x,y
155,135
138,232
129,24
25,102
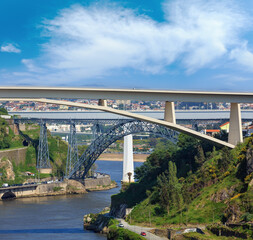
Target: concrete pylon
x,y
169,113
102,102
235,124
128,161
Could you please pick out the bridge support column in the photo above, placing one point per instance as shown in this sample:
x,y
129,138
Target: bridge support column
x,y
128,161
43,162
102,102
169,113
235,124
72,157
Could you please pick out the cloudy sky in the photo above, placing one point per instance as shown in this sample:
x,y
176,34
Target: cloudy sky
x,y
153,44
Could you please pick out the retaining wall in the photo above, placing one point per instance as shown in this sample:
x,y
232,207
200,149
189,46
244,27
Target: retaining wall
x,y
95,182
14,155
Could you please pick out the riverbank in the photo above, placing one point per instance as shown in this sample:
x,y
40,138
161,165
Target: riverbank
x,y
103,223
119,157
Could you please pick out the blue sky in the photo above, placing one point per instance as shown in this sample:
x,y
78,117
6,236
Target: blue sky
x,y
170,44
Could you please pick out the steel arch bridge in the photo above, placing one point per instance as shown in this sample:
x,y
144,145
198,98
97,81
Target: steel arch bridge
x,y
81,167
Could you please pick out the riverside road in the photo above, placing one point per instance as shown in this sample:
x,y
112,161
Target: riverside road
x,y
138,230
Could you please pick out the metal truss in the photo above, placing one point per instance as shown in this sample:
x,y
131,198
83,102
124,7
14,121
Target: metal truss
x,y
72,157
115,133
69,121
43,152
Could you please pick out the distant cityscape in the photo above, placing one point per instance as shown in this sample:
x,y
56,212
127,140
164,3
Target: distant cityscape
x,y
120,104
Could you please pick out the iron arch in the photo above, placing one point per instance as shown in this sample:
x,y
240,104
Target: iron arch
x,y
91,154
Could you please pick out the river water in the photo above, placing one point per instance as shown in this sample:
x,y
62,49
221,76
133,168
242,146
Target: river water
x,y
58,217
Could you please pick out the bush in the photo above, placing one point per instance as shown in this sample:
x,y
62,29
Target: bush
x,y
247,217
116,233
57,189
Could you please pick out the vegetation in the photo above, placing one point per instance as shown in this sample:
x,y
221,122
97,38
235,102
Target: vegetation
x,y
5,138
192,182
57,189
3,111
57,150
117,233
122,234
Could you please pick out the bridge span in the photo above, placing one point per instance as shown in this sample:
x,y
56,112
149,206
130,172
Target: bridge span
x,y
167,118
124,94
168,122
39,94
181,115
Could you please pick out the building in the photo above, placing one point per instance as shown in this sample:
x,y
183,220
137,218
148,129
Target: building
x,y
225,127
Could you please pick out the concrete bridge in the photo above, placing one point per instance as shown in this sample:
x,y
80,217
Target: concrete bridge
x,y
48,95
235,131
169,116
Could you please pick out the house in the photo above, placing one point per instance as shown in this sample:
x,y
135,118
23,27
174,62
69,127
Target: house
x,y
211,132
225,127
29,174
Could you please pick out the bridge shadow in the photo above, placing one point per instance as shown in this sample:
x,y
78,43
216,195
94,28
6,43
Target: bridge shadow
x,y
43,230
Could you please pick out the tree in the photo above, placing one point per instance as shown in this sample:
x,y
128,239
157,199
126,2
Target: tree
x,y
222,135
169,188
200,157
225,159
3,111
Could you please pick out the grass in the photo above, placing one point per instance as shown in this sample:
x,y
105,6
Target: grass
x,y
57,189
211,197
117,233
57,151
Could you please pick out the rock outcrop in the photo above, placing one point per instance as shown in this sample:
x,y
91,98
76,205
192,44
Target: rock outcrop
x,y
75,187
119,211
7,167
97,222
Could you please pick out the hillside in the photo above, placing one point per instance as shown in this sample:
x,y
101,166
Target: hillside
x,y
29,136
191,183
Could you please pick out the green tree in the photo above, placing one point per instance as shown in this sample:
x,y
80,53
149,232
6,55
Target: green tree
x,y
200,157
5,139
225,159
169,188
3,111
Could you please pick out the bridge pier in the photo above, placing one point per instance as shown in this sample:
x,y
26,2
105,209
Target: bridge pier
x,y
169,112
102,102
128,161
43,162
72,157
235,124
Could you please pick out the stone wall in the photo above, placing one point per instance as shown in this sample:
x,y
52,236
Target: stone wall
x,y
12,125
40,190
14,155
49,188
92,183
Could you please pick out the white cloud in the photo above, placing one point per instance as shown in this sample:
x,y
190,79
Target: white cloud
x,y
243,56
88,42
29,63
232,78
92,41
10,48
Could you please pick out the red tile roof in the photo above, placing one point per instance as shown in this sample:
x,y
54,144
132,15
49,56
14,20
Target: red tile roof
x,y
224,124
212,130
